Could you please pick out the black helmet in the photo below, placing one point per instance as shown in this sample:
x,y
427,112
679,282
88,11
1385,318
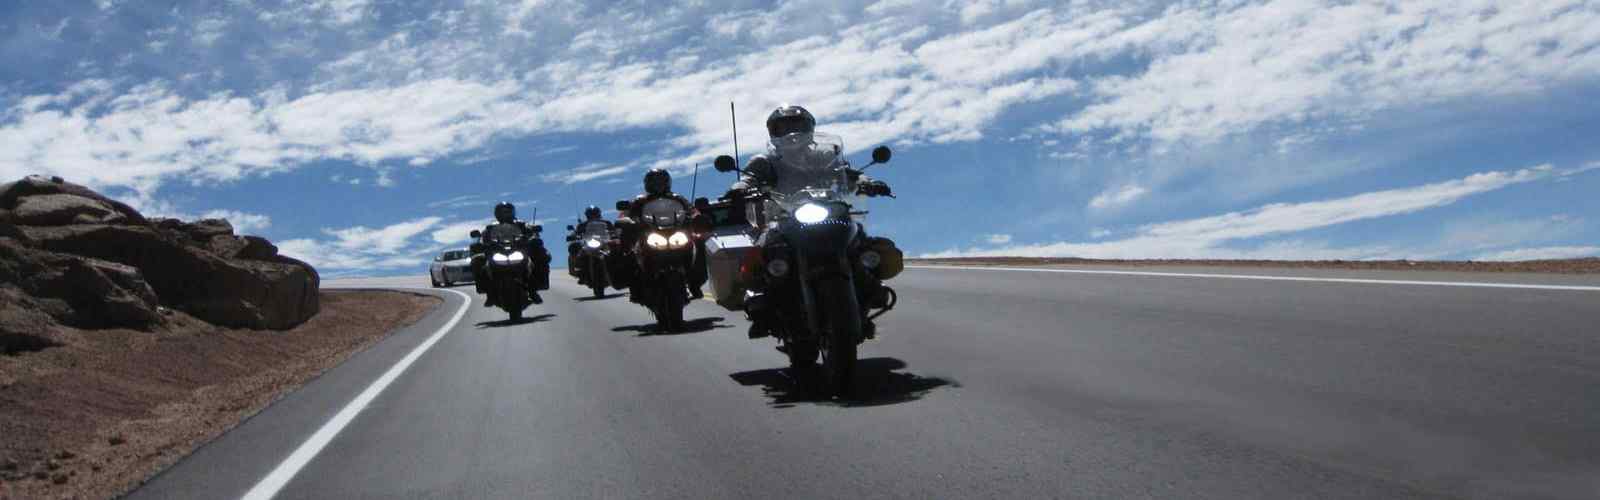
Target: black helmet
x,y
591,213
790,120
505,211
657,182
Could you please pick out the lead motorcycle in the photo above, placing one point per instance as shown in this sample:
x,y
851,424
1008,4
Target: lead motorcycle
x,y
664,251
508,267
814,266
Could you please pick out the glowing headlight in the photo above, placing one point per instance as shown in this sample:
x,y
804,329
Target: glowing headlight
x,y
656,241
512,258
810,213
593,243
871,259
777,267
678,240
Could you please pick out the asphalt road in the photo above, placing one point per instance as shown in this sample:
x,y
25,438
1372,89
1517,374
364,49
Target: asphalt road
x,y
983,384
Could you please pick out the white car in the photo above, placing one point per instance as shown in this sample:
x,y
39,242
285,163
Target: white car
x,y
451,267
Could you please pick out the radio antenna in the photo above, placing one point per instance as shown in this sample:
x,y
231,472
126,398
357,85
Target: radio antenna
x,y
735,118
694,182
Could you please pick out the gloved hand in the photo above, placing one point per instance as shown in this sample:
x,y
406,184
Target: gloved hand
x,y
875,188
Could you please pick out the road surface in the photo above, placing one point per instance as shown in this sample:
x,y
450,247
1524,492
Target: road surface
x,y
984,383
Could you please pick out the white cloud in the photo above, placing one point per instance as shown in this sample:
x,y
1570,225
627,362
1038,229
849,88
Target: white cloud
x,y
1117,197
360,247
585,173
1542,253
455,233
1205,237
207,31
243,222
997,239
1217,69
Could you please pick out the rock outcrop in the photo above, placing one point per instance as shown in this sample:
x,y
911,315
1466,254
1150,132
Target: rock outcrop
x,y
87,261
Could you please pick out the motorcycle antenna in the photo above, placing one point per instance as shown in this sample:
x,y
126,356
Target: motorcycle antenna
x,y
734,117
694,181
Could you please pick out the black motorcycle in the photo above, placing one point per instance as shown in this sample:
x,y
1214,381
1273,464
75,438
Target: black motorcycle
x,y
509,267
595,244
664,252
816,260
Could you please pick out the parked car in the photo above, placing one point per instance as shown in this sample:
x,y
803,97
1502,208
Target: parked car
x,y
451,267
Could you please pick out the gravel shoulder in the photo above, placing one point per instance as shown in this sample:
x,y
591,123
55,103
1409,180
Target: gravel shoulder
x,y
107,409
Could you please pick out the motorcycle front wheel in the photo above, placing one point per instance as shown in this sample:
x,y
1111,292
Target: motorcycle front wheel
x,y
843,321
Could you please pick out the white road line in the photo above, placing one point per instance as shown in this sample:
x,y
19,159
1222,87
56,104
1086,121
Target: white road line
x,y
280,476
1467,284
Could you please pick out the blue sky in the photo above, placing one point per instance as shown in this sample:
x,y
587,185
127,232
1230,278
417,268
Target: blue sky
x,y
365,135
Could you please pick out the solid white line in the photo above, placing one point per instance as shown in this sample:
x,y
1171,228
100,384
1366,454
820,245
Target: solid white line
x,y
280,476
1468,284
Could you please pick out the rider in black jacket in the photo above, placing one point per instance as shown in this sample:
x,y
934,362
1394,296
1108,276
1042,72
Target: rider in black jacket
x,y
658,185
575,248
506,213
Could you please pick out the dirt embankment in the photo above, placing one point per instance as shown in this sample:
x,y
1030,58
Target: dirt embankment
x,y
108,408
1563,266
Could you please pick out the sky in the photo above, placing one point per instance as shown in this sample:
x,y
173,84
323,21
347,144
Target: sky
x,y
364,136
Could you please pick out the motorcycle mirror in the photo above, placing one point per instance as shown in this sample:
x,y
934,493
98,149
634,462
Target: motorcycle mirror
x,y
881,154
569,227
702,203
476,234
537,228
622,205
725,164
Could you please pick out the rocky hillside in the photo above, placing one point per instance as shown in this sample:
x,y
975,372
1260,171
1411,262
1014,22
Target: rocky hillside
x,y
71,256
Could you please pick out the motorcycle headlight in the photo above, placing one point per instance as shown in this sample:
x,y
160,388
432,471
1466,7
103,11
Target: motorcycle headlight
x,y
810,213
678,240
777,267
656,241
870,259
515,257
592,243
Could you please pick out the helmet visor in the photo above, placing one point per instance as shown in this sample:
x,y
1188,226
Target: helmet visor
x,y
789,125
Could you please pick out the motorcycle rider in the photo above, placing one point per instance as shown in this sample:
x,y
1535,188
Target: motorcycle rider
x,y
575,249
658,185
790,129
506,213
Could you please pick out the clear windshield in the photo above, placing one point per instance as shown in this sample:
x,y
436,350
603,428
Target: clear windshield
x,y
663,213
808,167
456,255
503,233
596,230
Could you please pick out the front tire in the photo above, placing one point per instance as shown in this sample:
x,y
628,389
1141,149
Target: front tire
x,y
838,298
516,315
672,302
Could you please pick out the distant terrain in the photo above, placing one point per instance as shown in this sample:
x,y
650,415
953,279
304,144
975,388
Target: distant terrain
x,y
1563,266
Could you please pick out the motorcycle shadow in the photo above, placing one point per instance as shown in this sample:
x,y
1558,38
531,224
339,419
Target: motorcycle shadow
x,y
700,325
876,384
587,298
508,322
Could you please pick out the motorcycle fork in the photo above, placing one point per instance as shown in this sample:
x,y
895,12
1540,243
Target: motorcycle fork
x,y
808,295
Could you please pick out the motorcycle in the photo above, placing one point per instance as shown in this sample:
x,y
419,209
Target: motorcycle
x,y
508,268
595,250
664,252
812,260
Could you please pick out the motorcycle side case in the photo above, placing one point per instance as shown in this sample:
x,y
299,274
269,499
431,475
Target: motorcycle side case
x,y
725,253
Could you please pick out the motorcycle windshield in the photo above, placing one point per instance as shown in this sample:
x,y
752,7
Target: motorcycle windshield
x,y
664,213
596,231
503,233
808,168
